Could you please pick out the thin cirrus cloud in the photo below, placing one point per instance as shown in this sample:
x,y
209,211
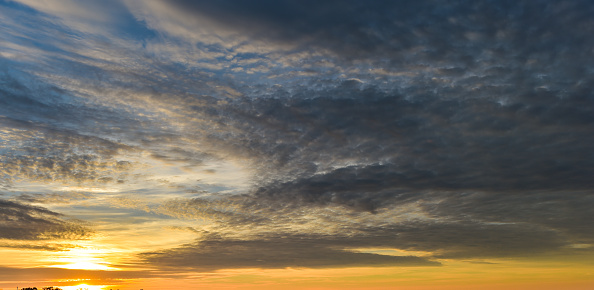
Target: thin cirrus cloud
x,y
292,133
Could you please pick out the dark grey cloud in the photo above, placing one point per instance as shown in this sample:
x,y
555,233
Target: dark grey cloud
x,y
451,229
451,31
24,222
566,212
420,141
443,224
479,240
500,163
496,179
277,252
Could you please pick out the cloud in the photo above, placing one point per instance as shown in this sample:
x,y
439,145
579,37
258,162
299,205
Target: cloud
x,y
25,222
354,139
86,17
462,129
46,154
389,29
39,246
486,179
564,211
276,252
441,224
53,198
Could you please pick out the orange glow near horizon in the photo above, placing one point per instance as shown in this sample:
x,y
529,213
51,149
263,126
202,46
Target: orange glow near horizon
x,y
453,275
479,274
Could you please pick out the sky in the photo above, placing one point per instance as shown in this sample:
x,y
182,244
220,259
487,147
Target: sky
x,y
297,144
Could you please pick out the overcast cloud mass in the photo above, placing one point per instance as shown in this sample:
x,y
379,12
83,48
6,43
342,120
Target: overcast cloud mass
x,y
296,134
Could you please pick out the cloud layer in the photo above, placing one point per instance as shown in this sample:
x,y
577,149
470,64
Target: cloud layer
x,y
296,133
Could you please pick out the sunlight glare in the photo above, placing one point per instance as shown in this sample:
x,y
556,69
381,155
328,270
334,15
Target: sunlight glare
x,y
83,259
86,266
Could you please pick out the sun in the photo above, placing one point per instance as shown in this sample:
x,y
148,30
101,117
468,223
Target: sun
x,y
83,259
